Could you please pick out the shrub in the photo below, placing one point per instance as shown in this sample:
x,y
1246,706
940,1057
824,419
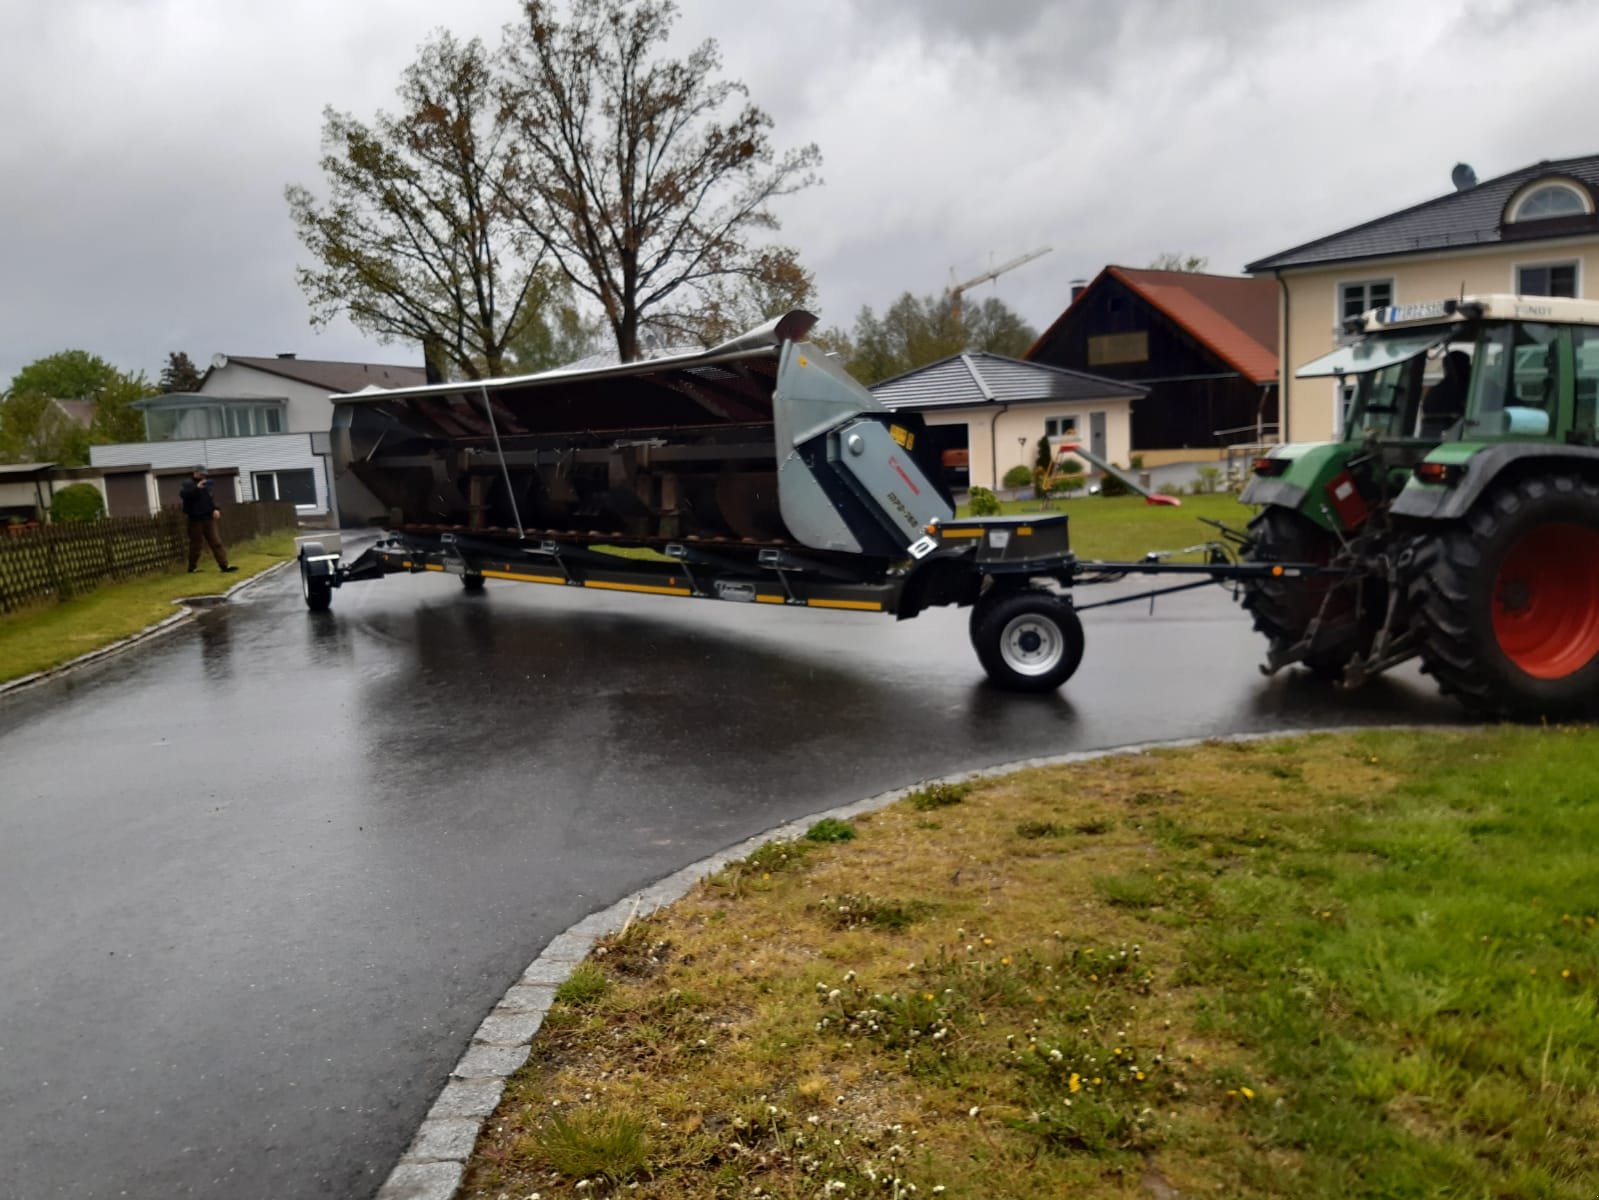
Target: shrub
x,y
1137,462
1042,455
939,795
1109,485
830,829
80,502
984,503
1209,481
1070,483
1068,466
1018,476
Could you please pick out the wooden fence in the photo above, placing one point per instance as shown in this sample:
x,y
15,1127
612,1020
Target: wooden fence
x,y
62,560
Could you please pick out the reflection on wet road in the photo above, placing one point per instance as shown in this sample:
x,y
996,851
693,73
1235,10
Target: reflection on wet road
x,y
262,878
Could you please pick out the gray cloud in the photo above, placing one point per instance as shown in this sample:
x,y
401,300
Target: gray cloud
x,y
142,211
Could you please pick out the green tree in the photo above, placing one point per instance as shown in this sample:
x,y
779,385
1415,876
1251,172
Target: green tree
x,y
414,242
77,502
72,375
1172,261
33,429
916,331
179,375
630,172
554,330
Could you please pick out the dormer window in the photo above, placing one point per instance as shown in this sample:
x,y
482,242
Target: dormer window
x,y
1549,199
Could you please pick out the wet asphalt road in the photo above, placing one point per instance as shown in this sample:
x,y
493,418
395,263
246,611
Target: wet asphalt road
x,y
260,879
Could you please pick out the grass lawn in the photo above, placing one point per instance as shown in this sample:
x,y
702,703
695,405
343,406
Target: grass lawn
x,y
1341,966
1122,528
38,638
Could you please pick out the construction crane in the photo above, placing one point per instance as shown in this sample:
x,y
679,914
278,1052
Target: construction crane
x,y
956,289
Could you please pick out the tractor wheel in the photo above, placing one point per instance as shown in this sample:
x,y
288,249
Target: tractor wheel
x,y
1284,608
318,592
1506,603
1028,640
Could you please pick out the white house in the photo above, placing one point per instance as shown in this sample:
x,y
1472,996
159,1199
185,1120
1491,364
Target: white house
x,y
267,417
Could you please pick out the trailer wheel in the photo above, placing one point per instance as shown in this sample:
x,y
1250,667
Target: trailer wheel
x,y
318,592
472,583
1027,641
1506,603
1284,608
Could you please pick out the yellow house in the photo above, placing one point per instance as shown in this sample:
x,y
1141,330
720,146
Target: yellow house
x,y
1532,232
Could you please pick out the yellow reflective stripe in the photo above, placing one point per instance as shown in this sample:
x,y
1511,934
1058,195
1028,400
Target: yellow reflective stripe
x,y
1024,531
770,600
954,533
864,605
638,587
524,578
434,567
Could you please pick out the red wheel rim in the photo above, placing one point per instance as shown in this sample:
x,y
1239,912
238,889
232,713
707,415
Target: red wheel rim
x,y
1546,601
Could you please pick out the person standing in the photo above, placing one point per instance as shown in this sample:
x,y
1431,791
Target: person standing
x,y
200,506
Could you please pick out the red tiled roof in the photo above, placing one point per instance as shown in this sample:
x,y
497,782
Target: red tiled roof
x,y
1235,316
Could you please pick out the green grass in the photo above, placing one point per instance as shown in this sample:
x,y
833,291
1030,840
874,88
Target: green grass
x,y
1124,528
36,639
1351,966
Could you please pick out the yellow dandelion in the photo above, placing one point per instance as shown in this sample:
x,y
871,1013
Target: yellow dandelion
x,y
1005,962
1075,1083
1247,1093
1139,1075
1566,974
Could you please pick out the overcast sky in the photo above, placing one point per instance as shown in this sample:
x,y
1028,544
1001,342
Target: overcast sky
x,y
147,143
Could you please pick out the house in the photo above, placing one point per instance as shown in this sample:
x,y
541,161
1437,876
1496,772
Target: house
x,y
268,419
989,411
1534,231
1203,346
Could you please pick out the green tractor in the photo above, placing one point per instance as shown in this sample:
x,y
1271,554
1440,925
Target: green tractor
x,y
1458,521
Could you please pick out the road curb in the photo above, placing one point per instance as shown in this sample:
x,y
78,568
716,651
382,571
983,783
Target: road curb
x,y
434,1164
186,610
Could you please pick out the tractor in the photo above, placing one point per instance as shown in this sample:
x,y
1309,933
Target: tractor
x,y
1457,521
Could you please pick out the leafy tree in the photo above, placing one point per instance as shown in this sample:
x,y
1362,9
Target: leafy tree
x,y
414,242
628,170
917,331
179,375
33,429
1171,261
554,330
39,431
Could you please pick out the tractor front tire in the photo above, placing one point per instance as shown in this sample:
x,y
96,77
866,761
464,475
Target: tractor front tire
x,y
1283,608
1028,640
1505,604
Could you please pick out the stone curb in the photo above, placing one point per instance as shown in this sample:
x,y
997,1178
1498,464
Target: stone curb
x,y
433,1165
186,606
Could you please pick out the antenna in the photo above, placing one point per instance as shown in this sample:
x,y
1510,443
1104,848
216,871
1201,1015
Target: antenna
x,y
1463,177
956,289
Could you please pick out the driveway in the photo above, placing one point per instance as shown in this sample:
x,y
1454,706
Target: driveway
x,y
261,879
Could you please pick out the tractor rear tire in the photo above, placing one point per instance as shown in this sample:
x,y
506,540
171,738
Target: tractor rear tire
x,y
1284,608
1505,604
1028,640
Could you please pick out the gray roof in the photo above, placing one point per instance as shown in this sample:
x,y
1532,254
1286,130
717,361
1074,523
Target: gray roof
x,y
334,376
1463,218
26,468
983,378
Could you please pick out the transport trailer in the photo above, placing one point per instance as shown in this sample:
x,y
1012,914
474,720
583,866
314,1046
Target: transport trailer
x,y
756,472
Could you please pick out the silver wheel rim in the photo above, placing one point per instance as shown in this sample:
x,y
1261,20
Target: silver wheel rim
x,y
1032,644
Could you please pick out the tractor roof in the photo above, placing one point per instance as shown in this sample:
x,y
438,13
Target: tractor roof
x,y
1555,310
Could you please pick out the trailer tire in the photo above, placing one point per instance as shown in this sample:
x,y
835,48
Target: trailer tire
x,y
1505,604
472,584
316,589
1028,640
1284,608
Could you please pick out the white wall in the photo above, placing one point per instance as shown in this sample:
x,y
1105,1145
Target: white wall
x,y
309,409
273,452
1018,428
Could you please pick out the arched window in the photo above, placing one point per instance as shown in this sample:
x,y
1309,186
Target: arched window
x,y
1546,200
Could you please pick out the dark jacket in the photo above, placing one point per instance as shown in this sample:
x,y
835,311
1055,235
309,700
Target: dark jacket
x,y
197,501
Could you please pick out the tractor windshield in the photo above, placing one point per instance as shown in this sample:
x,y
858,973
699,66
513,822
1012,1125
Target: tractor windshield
x,y
1420,396
1515,382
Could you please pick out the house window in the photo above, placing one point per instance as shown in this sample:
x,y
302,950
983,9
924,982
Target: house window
x,y
1549,200
1547,279
250,420
297,487
1060,427
1357,298
1107,349
1585,350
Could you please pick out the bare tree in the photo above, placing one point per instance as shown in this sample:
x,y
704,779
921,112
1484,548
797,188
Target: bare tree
x,y
414,242
629,170
1170,260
